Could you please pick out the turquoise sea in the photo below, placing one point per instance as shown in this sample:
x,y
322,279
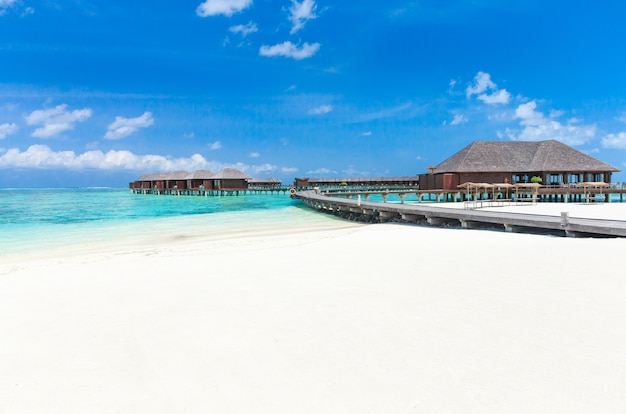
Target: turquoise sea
x,y
45,221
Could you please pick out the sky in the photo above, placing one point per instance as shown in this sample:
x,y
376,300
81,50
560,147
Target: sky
x,y
97,93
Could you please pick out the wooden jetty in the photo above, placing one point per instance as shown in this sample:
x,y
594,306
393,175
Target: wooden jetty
x,y
429,214
478,192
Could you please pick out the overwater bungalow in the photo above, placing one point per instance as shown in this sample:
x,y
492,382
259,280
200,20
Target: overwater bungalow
x,y
550,163
161,181
200,179
197,182
264,182
230,179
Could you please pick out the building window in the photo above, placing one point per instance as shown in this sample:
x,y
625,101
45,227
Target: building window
x,y
574,178
555,179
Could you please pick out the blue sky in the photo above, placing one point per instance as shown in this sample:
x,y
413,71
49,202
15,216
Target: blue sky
x,y
98,93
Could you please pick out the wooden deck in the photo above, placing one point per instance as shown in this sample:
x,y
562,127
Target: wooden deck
x,y
465,218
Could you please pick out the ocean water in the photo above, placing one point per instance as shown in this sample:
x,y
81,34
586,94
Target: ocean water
x,y
45,221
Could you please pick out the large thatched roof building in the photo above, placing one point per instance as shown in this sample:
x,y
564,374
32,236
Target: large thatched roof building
x,y
516,162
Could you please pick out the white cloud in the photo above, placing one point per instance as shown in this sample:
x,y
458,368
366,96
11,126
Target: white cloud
x,y
555,113
245,30
320,110
56,120
41,156
499,97
225,7
123,127
452,85
622,117
5,4
537,127
300,13
458,119
254,155
384,113
321,171
615,141
263,168
367,134
288,49
483,84
7,129
215,145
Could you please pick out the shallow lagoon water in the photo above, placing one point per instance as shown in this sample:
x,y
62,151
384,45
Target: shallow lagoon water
x,y
44,221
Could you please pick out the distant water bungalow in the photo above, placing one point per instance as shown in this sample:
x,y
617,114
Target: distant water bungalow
x,y
229,181
310,183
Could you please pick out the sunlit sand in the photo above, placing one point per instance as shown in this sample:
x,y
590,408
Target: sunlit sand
x,y
383,318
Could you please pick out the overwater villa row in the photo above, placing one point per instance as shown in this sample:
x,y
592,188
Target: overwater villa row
x,y
229,181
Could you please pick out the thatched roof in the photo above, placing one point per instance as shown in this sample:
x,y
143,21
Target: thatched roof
x,y
201,175
148,177
164,176
516,156
231,174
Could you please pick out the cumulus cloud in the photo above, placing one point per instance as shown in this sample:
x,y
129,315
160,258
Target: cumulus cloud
x,y
244,30
288,49
56,120
42,157
320,110
487,91
225,7
7,129
254,155
537,127
617,141
300,13
123,127
215,145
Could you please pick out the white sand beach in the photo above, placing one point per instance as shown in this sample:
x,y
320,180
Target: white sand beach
x,y
382,318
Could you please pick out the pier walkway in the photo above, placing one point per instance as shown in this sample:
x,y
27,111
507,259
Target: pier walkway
x,y
466,218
